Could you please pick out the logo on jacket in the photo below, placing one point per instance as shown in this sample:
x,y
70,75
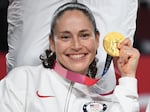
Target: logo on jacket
x,y
42,96
94,107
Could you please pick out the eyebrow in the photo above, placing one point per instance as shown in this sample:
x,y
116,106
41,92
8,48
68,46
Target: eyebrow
x,y
68,32
64,32
84,30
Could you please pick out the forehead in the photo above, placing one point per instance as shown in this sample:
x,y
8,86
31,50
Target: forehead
x,y
76,13
73,20
73,16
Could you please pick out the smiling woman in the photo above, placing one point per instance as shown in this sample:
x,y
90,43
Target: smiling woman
x,y
74,41
70,70
76,46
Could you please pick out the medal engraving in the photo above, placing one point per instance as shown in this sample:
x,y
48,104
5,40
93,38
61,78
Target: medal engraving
x,y
111,41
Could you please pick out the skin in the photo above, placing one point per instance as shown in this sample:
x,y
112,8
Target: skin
x,y
75,42
127,61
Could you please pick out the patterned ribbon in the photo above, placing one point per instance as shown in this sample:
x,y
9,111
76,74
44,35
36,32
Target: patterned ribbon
x,y
73,76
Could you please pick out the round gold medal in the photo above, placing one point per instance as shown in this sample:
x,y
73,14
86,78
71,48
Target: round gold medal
x,y
111,41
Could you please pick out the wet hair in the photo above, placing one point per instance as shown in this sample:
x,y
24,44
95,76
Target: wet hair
x,y
49,59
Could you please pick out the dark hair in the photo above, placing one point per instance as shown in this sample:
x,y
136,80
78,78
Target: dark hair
x,y
48,61
72,6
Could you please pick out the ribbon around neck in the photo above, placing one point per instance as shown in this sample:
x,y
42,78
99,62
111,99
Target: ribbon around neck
x,y
73,76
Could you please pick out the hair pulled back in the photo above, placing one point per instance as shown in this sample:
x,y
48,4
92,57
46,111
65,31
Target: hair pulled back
x,y
50,57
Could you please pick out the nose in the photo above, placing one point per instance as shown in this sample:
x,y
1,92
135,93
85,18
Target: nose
x,y
76,44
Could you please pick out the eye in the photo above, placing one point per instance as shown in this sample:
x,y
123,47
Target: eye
x,y
85,35
65,37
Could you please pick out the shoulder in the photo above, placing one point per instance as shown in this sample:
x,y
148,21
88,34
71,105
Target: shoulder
x,y
24,71
25,75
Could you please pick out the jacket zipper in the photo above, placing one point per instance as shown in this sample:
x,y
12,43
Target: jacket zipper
x,y
67,101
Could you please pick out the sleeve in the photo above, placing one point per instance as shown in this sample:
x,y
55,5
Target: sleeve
x,y
12,99
126,94
148,106
9,100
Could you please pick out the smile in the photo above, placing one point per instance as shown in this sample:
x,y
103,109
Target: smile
x,y
77,56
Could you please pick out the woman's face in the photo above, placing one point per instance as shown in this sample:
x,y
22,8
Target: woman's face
x,y
74,42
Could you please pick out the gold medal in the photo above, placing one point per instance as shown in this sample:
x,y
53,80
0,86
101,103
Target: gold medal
x,y
111,41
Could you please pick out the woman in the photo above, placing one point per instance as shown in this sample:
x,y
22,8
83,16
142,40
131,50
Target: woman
x,y
66,81
28,29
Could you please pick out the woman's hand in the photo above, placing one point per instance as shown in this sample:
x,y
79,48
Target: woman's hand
x,y
128,59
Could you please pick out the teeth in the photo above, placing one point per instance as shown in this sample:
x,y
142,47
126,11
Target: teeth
x,y
77,56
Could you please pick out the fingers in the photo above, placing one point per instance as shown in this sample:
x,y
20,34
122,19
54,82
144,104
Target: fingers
x,y
128,59
125,42
127,50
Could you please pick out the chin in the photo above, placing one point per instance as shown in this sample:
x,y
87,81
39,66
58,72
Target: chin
x,y
81,68
80,71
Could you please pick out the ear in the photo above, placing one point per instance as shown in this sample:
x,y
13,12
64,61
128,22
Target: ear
x,y
97,38
52,44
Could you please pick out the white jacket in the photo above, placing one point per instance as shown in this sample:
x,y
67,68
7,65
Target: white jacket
x,y
36,89
148,106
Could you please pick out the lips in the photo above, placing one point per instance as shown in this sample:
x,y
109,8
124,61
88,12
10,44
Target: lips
x,y
77,56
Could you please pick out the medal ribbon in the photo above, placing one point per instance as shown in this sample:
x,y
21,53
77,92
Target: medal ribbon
x,y
81,78
73,76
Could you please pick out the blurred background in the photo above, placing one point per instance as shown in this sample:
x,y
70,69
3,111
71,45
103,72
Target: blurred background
x,y
142,35
3,25
141,42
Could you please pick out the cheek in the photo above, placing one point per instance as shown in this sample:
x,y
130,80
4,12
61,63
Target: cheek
x,y
60,47
92,45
